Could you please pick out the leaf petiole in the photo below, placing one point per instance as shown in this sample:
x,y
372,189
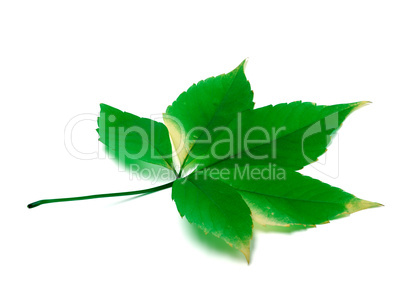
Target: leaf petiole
x,y
142,191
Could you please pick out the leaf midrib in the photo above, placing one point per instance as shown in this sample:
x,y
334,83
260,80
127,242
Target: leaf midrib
x,y
287,198
212,118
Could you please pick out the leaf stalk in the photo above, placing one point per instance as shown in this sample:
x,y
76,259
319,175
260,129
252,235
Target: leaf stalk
x,y
128,193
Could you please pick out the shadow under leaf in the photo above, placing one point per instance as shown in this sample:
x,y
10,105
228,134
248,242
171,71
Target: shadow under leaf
x,y
213,244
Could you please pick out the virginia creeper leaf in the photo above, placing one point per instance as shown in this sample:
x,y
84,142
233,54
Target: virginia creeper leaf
x,y
230,146
132,138
205,106
216,208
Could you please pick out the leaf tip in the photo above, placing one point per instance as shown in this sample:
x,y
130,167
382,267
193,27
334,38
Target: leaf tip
x,y
357,204
246,252
243,65
359,105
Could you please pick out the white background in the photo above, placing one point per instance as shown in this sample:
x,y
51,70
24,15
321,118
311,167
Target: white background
x,y
59,59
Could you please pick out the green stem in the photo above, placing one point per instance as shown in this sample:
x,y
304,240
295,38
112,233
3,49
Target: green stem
x,y
142,191
175,172
182,166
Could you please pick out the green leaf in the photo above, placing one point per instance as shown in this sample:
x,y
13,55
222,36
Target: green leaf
x,y
205,106
291,135
240,163
131,138
216,208
282,197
